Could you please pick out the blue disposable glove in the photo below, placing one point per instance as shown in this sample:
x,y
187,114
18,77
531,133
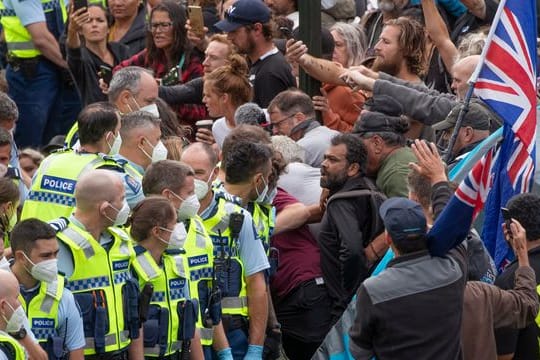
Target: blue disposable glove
x,y
254,352
225,354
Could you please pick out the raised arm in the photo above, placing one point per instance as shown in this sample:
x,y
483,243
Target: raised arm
x,y
323,70
438,33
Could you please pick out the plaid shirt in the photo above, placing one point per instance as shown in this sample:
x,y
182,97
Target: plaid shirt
x,y
188,114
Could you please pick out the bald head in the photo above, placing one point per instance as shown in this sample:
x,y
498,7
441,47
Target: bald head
x,y
97,186
461,73
200,151
10,285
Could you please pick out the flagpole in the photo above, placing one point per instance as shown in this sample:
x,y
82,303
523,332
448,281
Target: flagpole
x,y
472,82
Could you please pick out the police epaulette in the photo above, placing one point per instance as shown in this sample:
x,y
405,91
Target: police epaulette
x,y
139,250
107,157
59,224
175,251
121,162
12,173
228,197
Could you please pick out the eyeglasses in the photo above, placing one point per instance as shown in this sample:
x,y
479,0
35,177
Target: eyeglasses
x,y
272,125
165,26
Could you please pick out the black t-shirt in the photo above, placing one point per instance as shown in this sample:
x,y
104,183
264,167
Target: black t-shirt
x,y
523,343
270,76
84,66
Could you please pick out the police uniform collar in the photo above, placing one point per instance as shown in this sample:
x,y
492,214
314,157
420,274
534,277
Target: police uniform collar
x,y
175,251
122,161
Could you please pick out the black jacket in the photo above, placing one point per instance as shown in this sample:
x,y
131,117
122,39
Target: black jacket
x,y
345,230
84,66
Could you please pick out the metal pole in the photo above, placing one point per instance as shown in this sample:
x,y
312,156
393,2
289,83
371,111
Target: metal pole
x,y
310,34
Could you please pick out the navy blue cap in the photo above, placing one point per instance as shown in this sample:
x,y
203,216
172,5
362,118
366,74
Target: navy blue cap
x,y
403,218
244,12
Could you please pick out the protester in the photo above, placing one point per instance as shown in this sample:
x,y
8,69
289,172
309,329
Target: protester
x,y
388,156
225,89
90,58
511,342
128,25
169,55
249,27
29,160
350,223
292,114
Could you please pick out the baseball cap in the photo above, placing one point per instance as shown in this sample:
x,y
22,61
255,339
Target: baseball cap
x,y
371,121
244,12
403,218
478,117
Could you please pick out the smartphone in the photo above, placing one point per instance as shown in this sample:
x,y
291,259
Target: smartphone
x,y
507,219
105,72
196,20
171,78
79,4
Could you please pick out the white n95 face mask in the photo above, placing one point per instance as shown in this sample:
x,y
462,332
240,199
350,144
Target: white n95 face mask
x,y
115,147
188,208
178,236
17,319
152,109
122,214
46,271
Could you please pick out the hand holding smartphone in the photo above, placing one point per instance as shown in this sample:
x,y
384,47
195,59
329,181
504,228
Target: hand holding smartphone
x,y
105,73
196,20
79,4
507,221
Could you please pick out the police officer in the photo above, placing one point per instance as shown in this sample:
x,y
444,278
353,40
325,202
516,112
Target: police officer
x,y
36,73
54,316
10,318
170,326
246,173
140,135
51,194
132,88
175,181
96,256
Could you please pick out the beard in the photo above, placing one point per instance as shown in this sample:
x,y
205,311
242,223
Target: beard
x,y
379,64
333,182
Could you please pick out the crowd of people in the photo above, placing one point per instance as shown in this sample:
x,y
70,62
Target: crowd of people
x,y
169,192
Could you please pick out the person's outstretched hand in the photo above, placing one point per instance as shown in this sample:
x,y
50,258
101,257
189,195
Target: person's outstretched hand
x,y
295,50
429,162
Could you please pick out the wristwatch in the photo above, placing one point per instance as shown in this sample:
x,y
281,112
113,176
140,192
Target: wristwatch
x,y
19,335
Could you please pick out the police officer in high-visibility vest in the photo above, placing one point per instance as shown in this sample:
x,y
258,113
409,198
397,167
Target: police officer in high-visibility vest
x,y
12,319
96,257
238,269
169,331
140,136
246,167
37,74
51,309
131,88
52,193
175,181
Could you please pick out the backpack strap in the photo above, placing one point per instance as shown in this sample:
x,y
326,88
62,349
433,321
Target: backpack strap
x,y
376,198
